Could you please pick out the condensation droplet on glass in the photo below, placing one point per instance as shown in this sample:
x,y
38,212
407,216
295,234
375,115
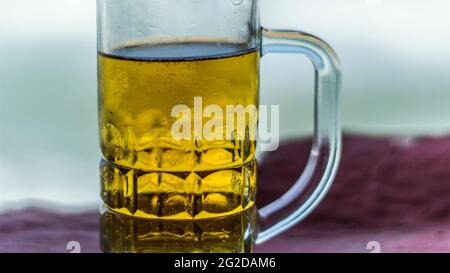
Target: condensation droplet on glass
x,y
237,2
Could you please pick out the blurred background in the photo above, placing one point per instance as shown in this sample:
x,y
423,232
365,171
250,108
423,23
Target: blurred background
x,y
396,81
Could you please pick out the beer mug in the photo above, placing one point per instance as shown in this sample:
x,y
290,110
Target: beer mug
x,y
178,172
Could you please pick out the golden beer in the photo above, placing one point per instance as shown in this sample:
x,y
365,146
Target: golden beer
x,y
149,174
229,234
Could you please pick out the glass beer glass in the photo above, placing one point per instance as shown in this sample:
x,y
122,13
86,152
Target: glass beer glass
x,y
192,191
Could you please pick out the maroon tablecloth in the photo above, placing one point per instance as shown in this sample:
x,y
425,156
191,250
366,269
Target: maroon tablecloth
x,y
394,192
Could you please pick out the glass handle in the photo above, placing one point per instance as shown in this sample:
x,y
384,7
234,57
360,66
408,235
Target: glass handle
x,y
317,178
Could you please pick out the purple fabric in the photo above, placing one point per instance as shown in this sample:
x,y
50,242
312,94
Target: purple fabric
x,y
393,191
37,230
